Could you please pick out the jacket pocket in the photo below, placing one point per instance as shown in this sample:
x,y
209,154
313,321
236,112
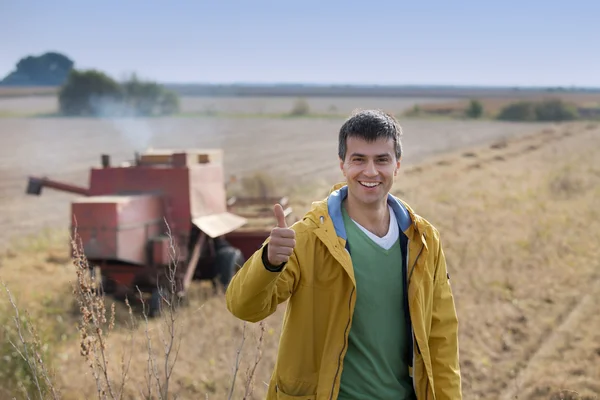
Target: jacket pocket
x,y
284,396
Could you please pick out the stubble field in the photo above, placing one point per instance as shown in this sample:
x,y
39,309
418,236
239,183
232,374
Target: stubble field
x,y
289,150
515,204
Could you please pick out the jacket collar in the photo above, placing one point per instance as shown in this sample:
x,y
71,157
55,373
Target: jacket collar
x,y
327,216
334,208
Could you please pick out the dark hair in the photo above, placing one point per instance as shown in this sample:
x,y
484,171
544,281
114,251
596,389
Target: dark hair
x,y
370,125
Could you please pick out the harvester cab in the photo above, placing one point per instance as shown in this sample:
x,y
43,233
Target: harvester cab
x,y
165,211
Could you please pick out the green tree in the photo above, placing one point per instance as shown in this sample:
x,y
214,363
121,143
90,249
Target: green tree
x,y
48,69
94,93
545,110
555,110
149,98
519,111
475,109
89,93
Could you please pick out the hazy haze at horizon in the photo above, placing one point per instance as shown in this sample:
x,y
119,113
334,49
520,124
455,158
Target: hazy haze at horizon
x,y
531,43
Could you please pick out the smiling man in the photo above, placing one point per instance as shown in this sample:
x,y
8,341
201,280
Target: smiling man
x,y
371,313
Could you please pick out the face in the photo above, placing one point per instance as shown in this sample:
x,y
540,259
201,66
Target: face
x,y
370,169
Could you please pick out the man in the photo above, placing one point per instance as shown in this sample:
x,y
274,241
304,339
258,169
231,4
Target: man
x,y
371,313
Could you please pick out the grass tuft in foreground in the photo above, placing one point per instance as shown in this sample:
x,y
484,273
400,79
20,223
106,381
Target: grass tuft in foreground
x,y
27,368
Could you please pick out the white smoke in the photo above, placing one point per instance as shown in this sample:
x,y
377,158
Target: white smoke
x,y
135,129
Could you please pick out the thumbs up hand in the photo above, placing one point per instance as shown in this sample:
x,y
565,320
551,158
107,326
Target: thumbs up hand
x,y
283,239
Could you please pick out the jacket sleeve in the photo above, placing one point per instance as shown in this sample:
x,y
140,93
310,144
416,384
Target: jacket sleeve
x,y
443,340
255,292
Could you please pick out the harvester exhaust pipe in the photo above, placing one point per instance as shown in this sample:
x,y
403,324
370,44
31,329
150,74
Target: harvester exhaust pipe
x,y
105,160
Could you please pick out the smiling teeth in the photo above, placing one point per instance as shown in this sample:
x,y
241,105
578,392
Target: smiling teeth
x,y
369,184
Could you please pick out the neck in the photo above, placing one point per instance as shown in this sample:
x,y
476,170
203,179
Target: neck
x,y
375,218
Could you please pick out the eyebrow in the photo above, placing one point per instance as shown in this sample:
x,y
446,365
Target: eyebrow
x,y
364,155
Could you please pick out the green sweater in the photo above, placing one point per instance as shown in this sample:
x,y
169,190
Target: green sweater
x,y
374,366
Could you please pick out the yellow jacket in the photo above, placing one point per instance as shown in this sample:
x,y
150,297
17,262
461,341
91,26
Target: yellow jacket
x,y
318,281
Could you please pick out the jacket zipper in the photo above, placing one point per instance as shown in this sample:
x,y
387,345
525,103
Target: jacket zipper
x,y
344,347
412,330
415,263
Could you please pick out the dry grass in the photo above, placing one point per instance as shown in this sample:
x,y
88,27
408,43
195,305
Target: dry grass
x,y
128,356
520,230
520,226
297,151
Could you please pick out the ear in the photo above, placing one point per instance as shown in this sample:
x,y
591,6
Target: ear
x,y
342,167
397,167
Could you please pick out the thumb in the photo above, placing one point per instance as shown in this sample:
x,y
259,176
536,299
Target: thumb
x,y
278,210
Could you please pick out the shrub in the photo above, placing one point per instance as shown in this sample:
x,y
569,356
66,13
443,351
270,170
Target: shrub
x,y
85,93
545,110
300,108
555,110
519,111
25,356
475,109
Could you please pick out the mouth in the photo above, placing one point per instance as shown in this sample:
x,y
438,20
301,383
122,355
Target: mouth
x,y
369,185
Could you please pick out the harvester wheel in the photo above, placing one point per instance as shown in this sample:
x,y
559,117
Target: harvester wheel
x,y
155,303
159,298
228,261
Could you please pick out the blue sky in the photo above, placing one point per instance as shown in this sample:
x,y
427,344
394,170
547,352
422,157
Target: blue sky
x,y
531,43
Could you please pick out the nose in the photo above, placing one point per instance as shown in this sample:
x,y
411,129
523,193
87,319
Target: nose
x,y
370,169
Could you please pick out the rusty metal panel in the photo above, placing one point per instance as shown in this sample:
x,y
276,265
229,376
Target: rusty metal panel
x,y
117,227
248,241
171,183
161,250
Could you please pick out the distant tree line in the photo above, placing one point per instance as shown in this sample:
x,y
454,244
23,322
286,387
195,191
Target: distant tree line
x,y
93,93
550,109
544,110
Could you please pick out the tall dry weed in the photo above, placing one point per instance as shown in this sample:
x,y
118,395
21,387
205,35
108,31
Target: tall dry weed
x,y
96,324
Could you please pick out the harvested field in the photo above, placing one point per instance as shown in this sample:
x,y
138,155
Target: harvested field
x,y
293,150
255,106
13,91
519,222
515,204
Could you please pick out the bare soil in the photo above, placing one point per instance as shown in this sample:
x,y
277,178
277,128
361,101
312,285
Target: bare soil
x,y
294,151
516,205
26,105
519,225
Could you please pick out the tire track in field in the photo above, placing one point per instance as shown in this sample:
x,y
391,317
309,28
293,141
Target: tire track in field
x,y
572,313
550,343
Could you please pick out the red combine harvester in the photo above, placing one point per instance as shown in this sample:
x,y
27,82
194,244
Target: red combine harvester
x,y
131,214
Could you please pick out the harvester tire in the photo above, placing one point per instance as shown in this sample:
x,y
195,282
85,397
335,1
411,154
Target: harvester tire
x,y
155,304
165,301
228,261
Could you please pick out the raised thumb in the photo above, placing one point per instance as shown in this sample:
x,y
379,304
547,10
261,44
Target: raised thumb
x,y
278,210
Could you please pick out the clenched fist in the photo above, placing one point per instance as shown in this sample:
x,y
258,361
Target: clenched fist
x,y
283,239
